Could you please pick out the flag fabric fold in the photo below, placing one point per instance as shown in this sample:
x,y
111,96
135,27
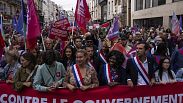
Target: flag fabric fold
x,y
82,14
105,25
113,31
1,27
22,20
14,22
33,26
175,24
2,45
180,21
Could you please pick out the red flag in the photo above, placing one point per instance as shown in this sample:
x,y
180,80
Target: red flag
x,y
105,25
33,27
2,44
82,14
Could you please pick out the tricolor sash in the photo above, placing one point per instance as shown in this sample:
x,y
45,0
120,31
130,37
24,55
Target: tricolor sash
x,y
102,57
140,68
90,64
107,74
77,75
181,51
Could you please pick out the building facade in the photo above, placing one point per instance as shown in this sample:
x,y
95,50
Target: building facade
x,y
105,10
103,5
8,9
95,10
155,12
49,11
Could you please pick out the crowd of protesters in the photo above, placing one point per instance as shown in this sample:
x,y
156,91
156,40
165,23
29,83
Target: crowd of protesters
x,y
148,57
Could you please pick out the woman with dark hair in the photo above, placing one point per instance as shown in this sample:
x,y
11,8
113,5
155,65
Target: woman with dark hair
x,y
113,73
24,76
38,55
68,58
164,74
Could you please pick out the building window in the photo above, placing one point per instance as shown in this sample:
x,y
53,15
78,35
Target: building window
x,y
139,5
11,11
158,2
147,3
1,7
112,7
4,8
177,0
109,8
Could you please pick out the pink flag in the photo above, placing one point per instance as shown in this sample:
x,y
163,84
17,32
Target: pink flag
x,y
82,14
33,26
175,24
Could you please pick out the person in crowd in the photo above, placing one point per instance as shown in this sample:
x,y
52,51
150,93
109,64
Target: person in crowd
x,y
50,75
177,60
158,40
80,75
8,73
138,37
113,73
25,75
101,40
161,52
38,55
68,58
180,41
140,67
103,53
78,43
151,37
49,46
93,59
90,42
123,40
130,40
179,75
164,74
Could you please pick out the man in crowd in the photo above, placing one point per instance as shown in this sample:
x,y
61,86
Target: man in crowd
x,y
140,69
49,46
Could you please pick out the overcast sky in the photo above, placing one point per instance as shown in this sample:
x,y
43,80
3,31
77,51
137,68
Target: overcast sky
x,y
67,4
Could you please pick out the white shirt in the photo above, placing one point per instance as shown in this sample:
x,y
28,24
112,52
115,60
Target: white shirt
x,y
165,77
140,80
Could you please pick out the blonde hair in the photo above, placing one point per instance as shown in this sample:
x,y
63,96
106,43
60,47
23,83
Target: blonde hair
x,y
84,52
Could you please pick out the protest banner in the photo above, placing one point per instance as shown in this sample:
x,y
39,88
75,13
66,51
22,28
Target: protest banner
x,y
60,29
169,93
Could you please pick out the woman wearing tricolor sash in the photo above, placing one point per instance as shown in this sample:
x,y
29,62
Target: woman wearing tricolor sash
x,y
112,72
81,75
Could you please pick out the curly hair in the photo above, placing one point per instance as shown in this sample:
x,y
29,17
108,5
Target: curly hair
x,y
119,57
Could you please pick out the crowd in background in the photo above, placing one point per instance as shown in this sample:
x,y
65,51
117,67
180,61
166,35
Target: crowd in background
x,y
90,60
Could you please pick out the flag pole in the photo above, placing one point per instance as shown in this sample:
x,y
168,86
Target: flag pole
x,y
72,27
44,48
72,31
